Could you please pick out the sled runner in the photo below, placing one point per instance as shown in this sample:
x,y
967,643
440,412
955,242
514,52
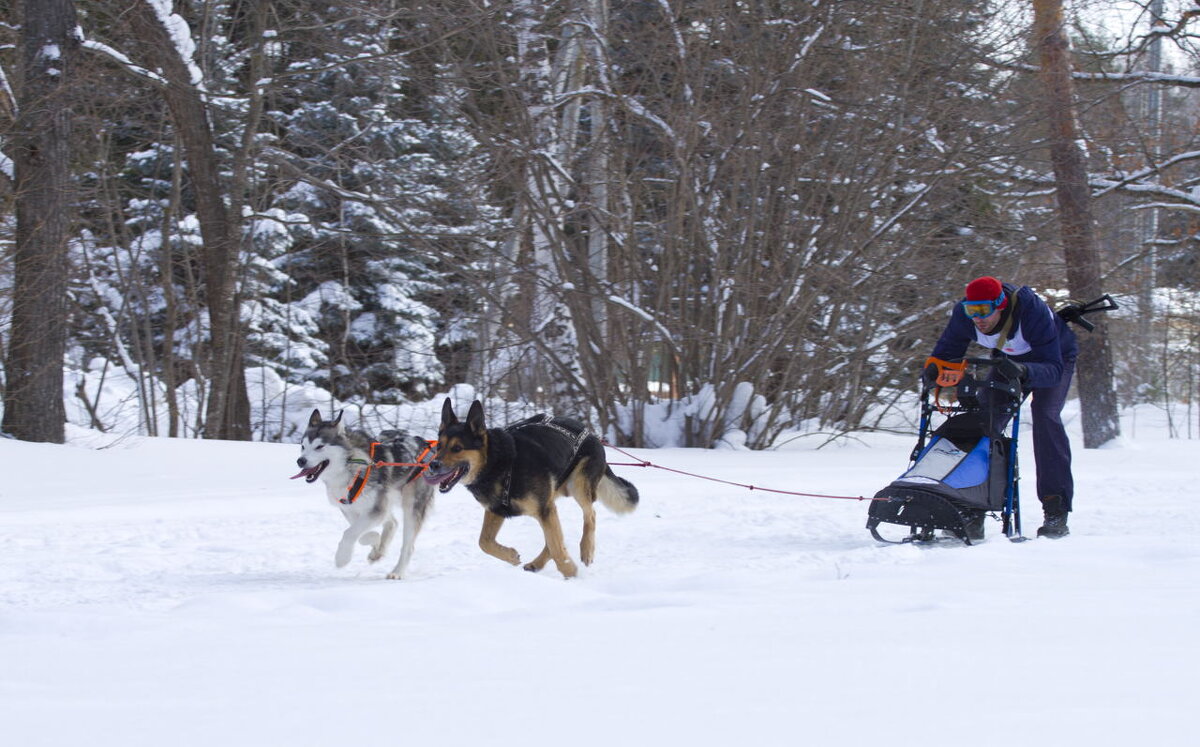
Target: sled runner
x,y
963,469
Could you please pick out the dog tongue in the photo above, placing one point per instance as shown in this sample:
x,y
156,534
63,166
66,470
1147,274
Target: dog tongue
x,y
301,473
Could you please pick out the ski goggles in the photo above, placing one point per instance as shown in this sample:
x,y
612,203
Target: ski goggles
x,y
978,309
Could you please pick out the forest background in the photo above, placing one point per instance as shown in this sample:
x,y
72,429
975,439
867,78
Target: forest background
x,y
743,218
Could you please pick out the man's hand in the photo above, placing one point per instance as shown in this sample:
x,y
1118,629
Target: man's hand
x,y
940,373
929,375
1011,370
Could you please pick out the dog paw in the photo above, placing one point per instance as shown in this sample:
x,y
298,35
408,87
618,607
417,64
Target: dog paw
x,y
532,567
394,576
375,555
342,557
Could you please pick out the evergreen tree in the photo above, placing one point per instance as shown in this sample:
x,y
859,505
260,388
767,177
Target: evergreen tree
x,y
376,165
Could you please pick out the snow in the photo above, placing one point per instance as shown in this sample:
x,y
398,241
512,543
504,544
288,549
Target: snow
x,y
181,38
178,591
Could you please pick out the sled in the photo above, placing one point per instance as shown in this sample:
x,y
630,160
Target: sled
x,y
962,470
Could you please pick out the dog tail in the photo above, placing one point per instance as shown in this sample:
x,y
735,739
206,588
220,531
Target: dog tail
x,y
617,493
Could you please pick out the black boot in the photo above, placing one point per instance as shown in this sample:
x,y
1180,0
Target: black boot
x,y
1055,525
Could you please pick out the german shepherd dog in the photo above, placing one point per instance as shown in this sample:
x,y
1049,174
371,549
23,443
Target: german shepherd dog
x,y
364,478
520,470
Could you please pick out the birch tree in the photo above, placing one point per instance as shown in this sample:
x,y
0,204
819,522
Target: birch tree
x,y
540,69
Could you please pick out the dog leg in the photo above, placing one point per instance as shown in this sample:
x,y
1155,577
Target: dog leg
x,y
488,543
406,551
555,546
587,544
583,491
357,528
379,549
412,525
540,561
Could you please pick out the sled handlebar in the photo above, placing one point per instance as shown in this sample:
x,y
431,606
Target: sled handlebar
x,y
968,387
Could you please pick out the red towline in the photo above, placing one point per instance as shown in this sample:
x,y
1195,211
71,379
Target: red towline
x,y
642,463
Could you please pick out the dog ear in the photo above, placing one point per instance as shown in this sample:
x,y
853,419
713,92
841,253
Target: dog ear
x,y
315,419
448,417
475,417
338,421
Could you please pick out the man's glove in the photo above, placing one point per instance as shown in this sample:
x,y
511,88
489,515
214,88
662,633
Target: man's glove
x,y
1011,370
940,373
929,375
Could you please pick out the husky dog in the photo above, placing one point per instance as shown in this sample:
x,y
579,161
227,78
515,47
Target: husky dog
x,y
520,470
365,478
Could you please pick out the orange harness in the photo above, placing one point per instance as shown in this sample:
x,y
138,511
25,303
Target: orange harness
x,y
360,480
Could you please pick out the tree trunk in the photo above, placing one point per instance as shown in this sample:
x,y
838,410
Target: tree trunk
x,y
228,409
1097,398
33,399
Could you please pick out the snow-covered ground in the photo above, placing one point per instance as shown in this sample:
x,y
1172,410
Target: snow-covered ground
x,y
172,592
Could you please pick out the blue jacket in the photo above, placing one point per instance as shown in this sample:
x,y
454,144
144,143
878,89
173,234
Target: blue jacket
x,y
1038,338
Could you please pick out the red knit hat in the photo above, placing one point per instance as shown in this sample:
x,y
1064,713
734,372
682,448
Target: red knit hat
x,y
986,288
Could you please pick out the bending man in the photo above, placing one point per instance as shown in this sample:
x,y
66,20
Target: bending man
x,y
1040,350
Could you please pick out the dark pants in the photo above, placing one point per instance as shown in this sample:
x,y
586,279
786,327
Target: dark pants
x,y
1051,448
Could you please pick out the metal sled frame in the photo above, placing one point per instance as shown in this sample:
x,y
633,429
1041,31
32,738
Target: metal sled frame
x,y
926,511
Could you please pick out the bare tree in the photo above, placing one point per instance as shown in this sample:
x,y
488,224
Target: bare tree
x,y
1097,396
715,201
228,409
33,396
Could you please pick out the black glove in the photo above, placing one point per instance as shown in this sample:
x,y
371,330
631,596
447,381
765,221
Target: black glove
x,y
929,375
1011,370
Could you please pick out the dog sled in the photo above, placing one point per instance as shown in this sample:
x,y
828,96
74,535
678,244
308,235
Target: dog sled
x,y
966,467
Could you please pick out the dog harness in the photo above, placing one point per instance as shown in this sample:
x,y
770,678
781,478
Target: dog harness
x,y
546,421
360,480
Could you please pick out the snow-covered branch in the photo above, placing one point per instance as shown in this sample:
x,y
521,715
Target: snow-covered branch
x,y
1136,77
122,60
1175,160
1173,199
647,316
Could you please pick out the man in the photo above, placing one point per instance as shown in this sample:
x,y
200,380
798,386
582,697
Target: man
x,y
1036,347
